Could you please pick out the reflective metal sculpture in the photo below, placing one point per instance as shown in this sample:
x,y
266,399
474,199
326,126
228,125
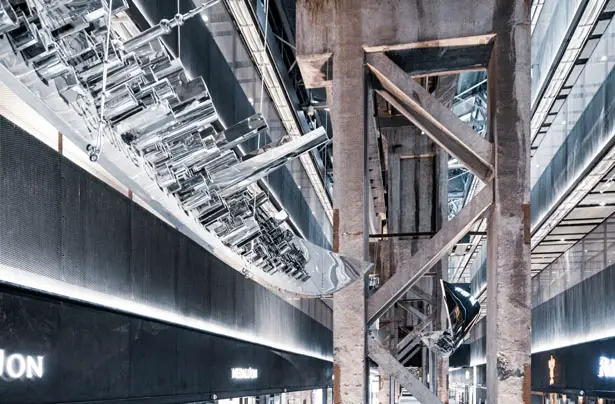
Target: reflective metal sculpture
x,y
141,100
463,311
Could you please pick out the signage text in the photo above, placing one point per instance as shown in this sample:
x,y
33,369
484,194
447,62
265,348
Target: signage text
x,y
244,373
16,366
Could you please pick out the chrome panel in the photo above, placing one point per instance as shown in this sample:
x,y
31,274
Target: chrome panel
x,y
161,121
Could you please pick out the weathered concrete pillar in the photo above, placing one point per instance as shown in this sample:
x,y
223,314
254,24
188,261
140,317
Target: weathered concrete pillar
x,y
384,388
508,257
347,108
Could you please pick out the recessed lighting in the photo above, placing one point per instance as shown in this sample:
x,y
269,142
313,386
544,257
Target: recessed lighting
x,y
602,203
251,100
205,17
562,239
603,58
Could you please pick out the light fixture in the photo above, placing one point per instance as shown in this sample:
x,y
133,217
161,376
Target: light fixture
x,y
602,203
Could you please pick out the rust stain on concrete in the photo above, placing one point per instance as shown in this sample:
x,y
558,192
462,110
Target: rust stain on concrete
x,y
527,383
337,395
336,230
315,7
527,221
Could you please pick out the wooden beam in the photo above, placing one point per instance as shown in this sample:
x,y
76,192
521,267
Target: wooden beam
x,y
436,43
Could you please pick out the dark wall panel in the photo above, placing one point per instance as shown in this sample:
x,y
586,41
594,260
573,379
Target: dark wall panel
x,y
34,241
60,222
95,232
578,314
576,368
91,354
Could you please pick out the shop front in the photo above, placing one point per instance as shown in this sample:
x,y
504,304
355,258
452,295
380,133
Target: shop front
x,y
55,351
579,374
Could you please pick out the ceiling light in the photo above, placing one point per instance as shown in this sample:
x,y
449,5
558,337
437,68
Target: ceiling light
x,y
205,17
602,203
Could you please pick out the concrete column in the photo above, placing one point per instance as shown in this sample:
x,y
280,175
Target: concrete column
x,y
508,257
347,108
386,388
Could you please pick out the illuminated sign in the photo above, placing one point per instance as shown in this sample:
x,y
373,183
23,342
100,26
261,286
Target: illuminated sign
x,y
244,373
16,366
552,370
606,367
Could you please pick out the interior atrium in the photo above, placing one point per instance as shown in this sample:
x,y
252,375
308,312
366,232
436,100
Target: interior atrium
x,y
307,201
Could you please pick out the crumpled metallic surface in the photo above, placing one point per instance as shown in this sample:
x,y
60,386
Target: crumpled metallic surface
x,y
463,310
149,116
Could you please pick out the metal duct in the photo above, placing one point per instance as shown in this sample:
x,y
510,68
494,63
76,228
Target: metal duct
x,y
142,102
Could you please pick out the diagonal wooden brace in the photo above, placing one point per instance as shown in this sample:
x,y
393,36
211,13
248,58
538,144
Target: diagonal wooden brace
x,y
432,252
432,117
390,365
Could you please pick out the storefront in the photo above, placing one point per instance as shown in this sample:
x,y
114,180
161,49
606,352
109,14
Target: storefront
x,y
58,351
580,374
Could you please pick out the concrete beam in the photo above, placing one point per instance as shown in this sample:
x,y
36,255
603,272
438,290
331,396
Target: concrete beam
x,y
390,22
386,361
413,311
435,119
410,349
421,294
424,259
415,332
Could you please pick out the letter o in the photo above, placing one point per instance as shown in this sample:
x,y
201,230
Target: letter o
x,y
13,371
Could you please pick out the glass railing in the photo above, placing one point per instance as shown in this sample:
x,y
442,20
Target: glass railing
x,y
547,38
592,254
590,135
594,73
